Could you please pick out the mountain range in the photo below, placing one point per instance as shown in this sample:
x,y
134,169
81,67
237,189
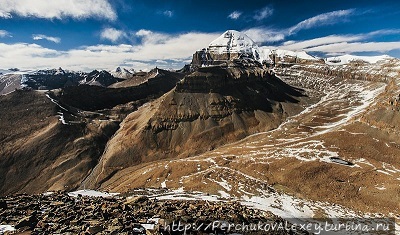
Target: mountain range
x,y
241,121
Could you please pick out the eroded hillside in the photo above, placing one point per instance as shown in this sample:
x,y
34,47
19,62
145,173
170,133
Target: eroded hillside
x,y
208,108
52,140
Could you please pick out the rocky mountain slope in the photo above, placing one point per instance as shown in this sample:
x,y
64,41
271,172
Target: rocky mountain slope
x,y
38,152
206,109
52,140
9,82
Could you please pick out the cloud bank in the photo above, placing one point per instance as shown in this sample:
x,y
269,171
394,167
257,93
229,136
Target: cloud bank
x,y
341,44
60,9
153,47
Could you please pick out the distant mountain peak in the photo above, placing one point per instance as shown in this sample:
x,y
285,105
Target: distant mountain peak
x,y
59,71
123,73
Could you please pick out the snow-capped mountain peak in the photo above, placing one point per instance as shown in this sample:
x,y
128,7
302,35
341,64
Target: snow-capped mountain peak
x,y
233,41
59,71
122,73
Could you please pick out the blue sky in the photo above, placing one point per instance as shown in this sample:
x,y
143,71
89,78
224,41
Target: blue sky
x,y
104,34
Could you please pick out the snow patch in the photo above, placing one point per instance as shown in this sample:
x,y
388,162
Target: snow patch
x,y
91,193
345,59
47,193
384,172
56,102
62,119
223,183
224,194
266,52
180,194
164,184
382,187
6,228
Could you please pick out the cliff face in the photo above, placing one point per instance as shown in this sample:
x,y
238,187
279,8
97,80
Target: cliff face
x,y
218,79
205,58
208,108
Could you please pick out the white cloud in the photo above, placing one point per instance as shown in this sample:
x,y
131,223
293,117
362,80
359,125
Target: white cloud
x,y
331,44
346,44
165,47
143,32
168,13
262,35
322,19
345,47
332,39
44,37
263,13
296,46
14,52
149,37
4,33
112,34
235,15
169,46
57,9
383,32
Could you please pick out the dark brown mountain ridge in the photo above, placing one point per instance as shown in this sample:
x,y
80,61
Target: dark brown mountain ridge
x,y
208,108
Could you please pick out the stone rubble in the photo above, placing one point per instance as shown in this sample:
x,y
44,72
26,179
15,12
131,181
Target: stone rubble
x,y
58,213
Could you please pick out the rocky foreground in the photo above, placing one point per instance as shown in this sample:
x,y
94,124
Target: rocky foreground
x,y
60,213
